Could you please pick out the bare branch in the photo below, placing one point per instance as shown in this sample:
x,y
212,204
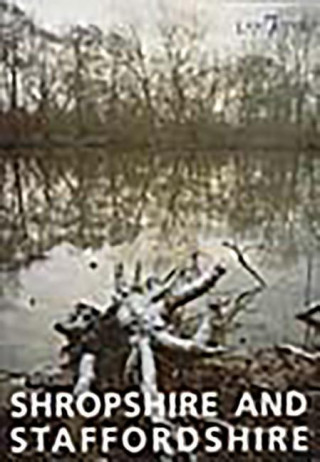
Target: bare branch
x,y
168,340
195,289
244,263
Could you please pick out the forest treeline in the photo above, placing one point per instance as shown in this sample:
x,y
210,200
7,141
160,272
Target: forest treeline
x,y
117,86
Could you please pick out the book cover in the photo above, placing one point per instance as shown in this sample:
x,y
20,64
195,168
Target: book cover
x,y
159,230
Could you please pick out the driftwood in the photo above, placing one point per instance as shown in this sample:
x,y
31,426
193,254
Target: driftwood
x,y
139,320
142,310
139,316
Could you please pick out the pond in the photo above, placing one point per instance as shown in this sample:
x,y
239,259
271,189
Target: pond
x,y
67,217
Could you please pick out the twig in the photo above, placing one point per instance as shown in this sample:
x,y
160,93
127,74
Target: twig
x,y
137,285
240,303
243,262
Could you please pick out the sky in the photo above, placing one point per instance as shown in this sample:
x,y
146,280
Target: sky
x,y
109,11
104,12
218,16
58,11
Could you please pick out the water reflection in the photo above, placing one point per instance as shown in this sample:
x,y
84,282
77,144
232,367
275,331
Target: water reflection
x,y
90,198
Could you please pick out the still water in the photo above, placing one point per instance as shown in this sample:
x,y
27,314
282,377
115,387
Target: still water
x,y
67,218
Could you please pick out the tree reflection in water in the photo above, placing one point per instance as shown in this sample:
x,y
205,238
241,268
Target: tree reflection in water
x,y
90,198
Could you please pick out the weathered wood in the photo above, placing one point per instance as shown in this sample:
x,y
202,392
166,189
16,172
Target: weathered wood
x,y
142,312
86,374
195,289
164,338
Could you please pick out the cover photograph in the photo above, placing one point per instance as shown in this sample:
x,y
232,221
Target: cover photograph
x,y
160,230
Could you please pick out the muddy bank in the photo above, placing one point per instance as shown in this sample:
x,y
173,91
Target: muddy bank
x,y
214,136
